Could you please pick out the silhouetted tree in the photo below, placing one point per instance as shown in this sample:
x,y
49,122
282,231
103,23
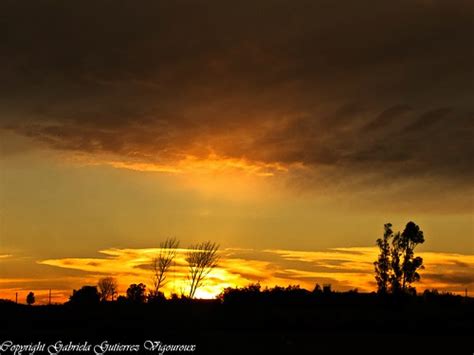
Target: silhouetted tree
x,y
86,295
249,293
409,239
107,288
154,297
430,294
174,296
317,289
396,264
382,265
122,299
30,298
162,263
276,295
397,273
136,293
201,259
327,288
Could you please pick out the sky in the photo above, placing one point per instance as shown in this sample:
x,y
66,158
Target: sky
x,y
268,126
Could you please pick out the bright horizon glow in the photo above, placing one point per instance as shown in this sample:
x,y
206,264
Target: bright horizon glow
x,y
344,268
289,146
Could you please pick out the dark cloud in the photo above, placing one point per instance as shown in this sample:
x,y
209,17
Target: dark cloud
x,y
428,119
387,117
360,87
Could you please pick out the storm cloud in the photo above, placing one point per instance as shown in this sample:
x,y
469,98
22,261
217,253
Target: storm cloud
x,y
343,89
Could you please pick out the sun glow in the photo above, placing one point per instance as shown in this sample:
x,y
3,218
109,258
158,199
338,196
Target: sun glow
x,y
344,268
212,164
212,175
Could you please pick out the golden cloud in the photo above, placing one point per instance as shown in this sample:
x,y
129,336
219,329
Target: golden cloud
x,y
344,268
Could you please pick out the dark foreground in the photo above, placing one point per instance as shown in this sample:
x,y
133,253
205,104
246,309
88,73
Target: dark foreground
x,y
331,324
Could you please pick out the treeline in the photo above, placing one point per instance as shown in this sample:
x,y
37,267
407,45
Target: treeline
x,y
396,271
201,258
255,294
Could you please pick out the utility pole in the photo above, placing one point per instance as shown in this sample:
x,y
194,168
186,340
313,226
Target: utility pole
x,y
49,301
16,297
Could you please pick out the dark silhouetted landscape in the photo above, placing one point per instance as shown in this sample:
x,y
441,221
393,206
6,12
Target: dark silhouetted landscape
x,y
251,321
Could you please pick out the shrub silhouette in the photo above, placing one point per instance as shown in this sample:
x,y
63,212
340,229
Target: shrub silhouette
x,y
327,288
122,299
243,294
155,297
86,295
30,299
136,293
253,293
317,289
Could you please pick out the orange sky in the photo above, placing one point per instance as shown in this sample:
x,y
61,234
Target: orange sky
x,y
259,125
68,221
343,268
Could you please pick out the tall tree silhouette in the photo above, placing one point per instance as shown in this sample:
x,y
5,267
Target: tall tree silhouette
x,y
107,288
397,272
201,259
162,263
397,265
408,240
382,265
30,298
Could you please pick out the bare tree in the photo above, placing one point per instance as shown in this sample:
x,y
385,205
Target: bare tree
x,y
201,259
162,263
107,288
